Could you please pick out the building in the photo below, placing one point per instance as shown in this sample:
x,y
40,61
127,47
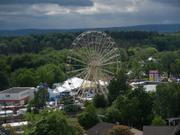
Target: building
x,y
173,128
15,97
161,130
147,85
17,126
150,87
154,76
173,121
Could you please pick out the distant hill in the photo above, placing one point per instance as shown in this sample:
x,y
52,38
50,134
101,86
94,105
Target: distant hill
x,y
162,28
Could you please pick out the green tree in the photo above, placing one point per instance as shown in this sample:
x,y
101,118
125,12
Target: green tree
x,y
135,108
45,74
145,53
99,101
137,68
166,100
175,67
40,99
4,67
123,54
3,48
118,86
4,81
167,60
24,78
113,115
22,61
151,65
89,117
50,122
66,100
50,73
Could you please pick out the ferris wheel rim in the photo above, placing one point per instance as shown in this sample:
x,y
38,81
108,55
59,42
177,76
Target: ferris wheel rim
x,y
95,52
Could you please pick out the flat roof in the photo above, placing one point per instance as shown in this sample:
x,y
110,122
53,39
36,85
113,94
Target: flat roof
x,y
172,119
158,130
15,90
15,124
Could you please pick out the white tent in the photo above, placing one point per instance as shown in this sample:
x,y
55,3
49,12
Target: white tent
x,y
75,83
72,83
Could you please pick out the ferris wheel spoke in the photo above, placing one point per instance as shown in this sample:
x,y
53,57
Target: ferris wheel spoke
x,y
107,71
107,55
105,39
79,65
82,46
95,77
106,50
96,47
111,58
89,49
82,74
108,43
109,63
105,85
88,53
113,66
75,71
82,53
99,44
78,60
101,91
84,80
86,43
103,46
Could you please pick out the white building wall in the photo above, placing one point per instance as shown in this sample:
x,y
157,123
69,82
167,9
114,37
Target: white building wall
x,y
17,96
10,96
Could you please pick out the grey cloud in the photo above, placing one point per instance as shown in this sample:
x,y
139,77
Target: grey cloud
x,y
170,2
60,2
149,12
84,21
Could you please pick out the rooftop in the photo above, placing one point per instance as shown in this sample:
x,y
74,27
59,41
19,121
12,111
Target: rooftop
x,y
100,128
103,127
15,124
161,130
15,90
172,119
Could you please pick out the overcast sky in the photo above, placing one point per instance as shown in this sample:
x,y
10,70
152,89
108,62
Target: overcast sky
x,y
52,14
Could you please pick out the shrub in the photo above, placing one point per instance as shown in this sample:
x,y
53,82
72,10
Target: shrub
x,y
113,115
88,118
72,108
119,130
158,121
99,101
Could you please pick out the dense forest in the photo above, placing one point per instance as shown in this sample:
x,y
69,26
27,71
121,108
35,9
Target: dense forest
x,y
58,41
30,60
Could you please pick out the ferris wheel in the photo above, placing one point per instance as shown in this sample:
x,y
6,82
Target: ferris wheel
x,y
95,59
